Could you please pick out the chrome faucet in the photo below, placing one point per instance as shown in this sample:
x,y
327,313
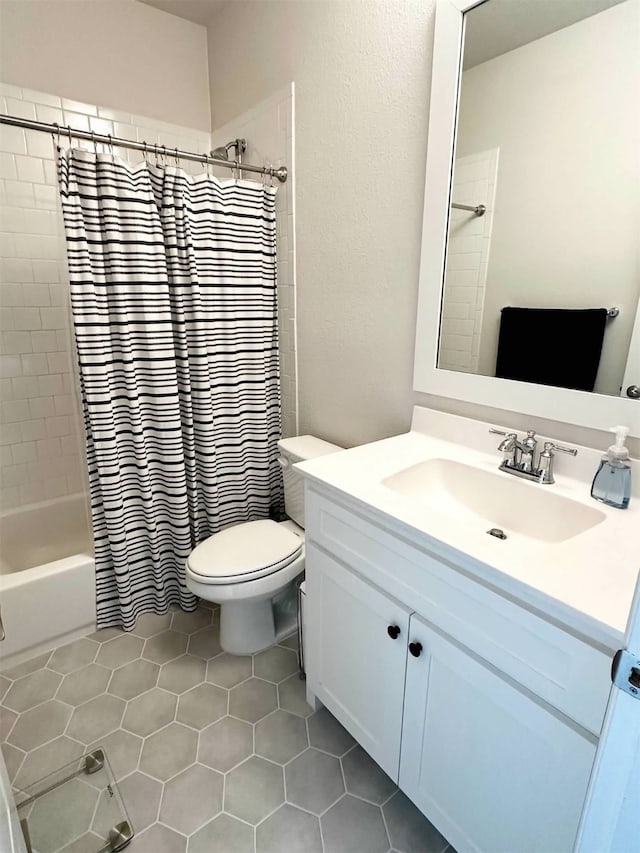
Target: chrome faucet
x,y
519,456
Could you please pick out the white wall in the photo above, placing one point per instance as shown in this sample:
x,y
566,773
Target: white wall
x,y
361,71
118,53
563,110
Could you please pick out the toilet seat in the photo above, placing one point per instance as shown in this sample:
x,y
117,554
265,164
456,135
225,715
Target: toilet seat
x,y
244,552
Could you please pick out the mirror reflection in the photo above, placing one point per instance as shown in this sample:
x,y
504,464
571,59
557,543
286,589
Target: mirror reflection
x,y
542,273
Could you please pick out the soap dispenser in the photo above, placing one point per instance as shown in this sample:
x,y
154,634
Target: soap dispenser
x,y
612,482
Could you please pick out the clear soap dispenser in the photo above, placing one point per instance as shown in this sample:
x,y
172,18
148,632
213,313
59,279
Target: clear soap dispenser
x,y
612,482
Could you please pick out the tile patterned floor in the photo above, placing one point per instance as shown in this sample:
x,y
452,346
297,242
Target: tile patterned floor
x,y
212,753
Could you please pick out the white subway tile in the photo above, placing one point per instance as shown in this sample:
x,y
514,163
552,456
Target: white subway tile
x,y
8,166
10,366
12,139
50,385
114,115
25,319
42,341
50,173
42,408
16,343
29,169
13,475
12,433
7,390
14,411
34,429
51,115
58,425
6,456
41,98
16,270
79,107
34,364
20,108
65,404
39,144
11,295
24,452
49,448
58,362
45,272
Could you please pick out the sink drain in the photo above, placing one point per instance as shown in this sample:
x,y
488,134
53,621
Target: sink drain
x,y
499,534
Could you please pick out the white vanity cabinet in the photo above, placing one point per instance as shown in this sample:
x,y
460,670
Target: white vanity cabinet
x,y
490,766
484,713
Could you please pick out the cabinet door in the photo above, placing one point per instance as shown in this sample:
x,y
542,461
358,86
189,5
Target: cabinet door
x,y
494,770
354,664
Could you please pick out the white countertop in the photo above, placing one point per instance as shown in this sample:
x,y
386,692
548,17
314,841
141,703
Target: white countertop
x,y
586,582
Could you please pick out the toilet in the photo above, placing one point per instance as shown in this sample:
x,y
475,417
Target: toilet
x,y
250,569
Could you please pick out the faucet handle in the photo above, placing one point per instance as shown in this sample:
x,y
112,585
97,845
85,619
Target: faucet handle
x,y
550,445
501,432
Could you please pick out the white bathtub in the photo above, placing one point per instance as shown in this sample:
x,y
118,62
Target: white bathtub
x,y
47,577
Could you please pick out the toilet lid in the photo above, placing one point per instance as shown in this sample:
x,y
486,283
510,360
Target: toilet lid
x,y
245,551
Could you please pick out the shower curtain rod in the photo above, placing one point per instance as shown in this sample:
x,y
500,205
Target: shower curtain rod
x,y
280,172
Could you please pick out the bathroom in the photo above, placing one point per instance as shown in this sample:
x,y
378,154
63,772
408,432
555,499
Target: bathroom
x,y
216,746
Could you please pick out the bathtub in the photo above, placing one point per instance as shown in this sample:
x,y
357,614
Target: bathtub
x,y
47,578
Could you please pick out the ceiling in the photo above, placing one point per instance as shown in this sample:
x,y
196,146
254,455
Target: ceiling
x,y
499,26
198,11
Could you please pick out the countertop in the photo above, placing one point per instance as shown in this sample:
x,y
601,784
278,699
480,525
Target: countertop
x,y
586,583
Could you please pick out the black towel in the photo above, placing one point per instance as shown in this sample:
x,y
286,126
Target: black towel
x,y
551,346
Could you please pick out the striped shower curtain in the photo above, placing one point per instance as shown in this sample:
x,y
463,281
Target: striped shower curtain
x,y
173,294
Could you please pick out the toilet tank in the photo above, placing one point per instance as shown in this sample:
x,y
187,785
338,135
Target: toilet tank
x,y
294,450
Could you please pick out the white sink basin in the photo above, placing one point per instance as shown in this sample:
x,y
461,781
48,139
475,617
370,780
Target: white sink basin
x,y
482,499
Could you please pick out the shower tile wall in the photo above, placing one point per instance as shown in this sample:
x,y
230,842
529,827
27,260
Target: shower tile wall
x,y
474,182
40,423
268,128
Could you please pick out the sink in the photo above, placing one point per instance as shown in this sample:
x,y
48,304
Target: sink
x,y
484,500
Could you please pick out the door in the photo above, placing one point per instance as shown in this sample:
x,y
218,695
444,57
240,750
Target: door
x,y
492,768
611,817
356,662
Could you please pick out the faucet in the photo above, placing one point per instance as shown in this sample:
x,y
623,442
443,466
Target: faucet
x,y
519,456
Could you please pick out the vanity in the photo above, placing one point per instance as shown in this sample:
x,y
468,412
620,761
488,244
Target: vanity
x,y
461,620
474,669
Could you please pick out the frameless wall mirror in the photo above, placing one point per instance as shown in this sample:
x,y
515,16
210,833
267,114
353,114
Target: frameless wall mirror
x,y
530,274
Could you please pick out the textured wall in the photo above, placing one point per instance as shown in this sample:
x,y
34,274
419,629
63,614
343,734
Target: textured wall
x,y
118,53
362,74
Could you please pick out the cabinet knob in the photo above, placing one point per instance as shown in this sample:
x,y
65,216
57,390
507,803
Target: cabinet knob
x,y
393,631
415,649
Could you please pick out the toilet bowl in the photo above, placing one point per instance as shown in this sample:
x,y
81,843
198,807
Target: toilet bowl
x,y
249,567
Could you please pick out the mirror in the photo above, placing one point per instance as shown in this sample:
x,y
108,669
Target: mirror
x,y
534,107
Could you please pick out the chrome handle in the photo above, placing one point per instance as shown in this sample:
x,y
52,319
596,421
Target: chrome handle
x,y
561,448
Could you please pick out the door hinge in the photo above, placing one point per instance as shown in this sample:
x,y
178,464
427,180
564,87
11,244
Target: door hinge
x,y
625,672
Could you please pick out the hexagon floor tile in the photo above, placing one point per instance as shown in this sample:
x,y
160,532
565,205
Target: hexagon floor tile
x,y
212,753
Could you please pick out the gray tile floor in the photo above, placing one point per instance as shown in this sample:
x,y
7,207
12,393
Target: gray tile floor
x,y
212,753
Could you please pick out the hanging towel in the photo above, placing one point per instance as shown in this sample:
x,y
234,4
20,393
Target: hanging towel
x,y
551,346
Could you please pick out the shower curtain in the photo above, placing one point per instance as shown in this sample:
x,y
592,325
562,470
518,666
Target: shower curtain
x,y
173,295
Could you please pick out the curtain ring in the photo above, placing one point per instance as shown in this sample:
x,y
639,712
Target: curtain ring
x,y
177,159
95,144
110,144
164,155
56,139
70,137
